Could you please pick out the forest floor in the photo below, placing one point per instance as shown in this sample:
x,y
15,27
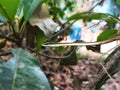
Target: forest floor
x,y
80,76
75,77
72,77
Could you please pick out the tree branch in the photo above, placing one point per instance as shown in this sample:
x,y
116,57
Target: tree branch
x,y
81,44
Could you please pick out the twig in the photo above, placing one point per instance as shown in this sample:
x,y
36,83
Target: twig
x,y
105,70
81,44
5,53
60,31
94,25
95,5
53,57
8,38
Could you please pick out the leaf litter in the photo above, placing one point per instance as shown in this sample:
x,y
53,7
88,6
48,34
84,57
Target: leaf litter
x,y
74,77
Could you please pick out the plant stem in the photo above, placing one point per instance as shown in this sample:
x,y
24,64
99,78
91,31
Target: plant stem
x,y
53,57
95,5
8,38
60,31
82,44
22,27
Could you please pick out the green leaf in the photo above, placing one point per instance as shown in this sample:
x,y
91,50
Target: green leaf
x,y
40,39
107,34
114,68
94,16
20,9
22,72
8,8
85,16
30,6
56,11
118,1
60,49
111,21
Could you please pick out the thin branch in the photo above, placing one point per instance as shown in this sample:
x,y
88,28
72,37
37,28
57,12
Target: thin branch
x,y
94,25
5,53
53,57
13,29
60,31
81,44
95,5
105,70
8,38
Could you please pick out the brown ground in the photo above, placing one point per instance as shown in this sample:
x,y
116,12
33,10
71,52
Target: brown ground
x,y
74,77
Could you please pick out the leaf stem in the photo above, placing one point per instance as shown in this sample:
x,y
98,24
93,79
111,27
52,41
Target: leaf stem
x,y
22,27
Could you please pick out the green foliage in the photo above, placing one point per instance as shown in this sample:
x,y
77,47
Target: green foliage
x,y
40,39
118,1
59,13
60,49
8,8
107,34
58,8
20,8
88,16
30,6
55,9
69,5
22,72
